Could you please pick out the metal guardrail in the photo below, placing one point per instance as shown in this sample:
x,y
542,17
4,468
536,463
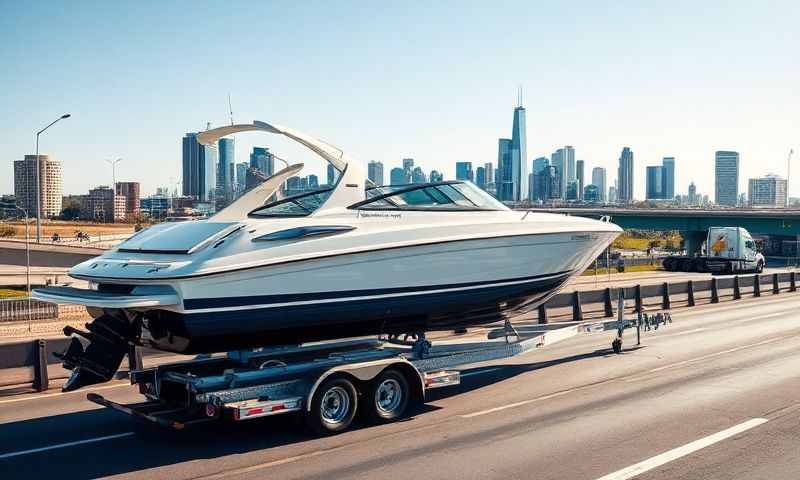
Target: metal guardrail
x,y
25,309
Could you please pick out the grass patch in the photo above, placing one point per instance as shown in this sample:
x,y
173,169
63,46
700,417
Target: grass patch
x,y
628,269
12,293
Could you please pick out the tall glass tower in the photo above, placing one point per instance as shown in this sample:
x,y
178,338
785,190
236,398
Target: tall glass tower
x,y
225,171
726,178
668,177
625,176
519,155
505,183
199,169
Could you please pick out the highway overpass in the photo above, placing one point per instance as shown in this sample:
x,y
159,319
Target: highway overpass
x,y
693,222
45,255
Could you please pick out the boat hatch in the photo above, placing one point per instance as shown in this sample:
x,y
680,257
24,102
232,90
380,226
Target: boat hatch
x,y
180,238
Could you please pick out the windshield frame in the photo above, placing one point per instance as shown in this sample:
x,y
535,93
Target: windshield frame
x,y
292,199
386,197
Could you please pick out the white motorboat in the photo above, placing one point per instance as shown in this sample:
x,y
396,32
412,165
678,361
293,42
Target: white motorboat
x,y
339,262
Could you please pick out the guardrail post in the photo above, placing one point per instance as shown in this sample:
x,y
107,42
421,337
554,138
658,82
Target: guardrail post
x,y
40,380
542,313
792,283
665,303
776,286
737,292
638,297
690,293
756,285
714,290
608,310
577,312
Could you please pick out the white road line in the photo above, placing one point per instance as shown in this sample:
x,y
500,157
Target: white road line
x,y
676,453
68,444
53,395
695,330
486,370
529,401
715,354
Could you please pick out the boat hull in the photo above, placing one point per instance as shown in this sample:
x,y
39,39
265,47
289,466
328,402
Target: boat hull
x,y
385,293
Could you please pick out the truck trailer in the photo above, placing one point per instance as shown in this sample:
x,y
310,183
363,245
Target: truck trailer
x,y
727,250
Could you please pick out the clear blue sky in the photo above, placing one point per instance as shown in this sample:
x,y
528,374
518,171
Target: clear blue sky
x,y
435,81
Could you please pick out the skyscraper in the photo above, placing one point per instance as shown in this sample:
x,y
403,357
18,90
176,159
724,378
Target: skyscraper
x,y
436,176
519,155
397,176
726,178
505,188
569,163
418,175
480,177
655,183
490,186
693,200
199,169
547,184
129,190
50,182
262,160
225,171
464,171
769,191
241,177
624,189
375,173
599,179
557,161
668,177
579,177
332,174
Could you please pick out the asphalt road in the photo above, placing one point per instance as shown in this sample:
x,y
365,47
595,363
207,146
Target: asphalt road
x,y
713,396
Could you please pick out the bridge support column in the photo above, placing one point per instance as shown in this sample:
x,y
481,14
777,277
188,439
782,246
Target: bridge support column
x,y
693,241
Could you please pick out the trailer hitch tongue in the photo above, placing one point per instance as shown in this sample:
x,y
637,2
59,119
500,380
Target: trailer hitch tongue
x,y
99,360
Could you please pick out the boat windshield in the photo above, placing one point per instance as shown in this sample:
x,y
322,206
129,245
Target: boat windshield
x,y
459,196
300,205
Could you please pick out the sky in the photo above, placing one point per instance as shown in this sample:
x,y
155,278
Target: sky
x,y
434,81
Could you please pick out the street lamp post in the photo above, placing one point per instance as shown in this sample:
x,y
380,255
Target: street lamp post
x,y
36,178
27,263
113,164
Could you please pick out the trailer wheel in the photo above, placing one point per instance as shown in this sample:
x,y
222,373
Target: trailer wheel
x,y
388,396
686,266
669,265
333,406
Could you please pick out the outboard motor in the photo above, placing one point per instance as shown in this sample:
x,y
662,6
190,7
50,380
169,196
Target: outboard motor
x,y
109,337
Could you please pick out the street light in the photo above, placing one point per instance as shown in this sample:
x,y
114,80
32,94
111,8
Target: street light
x,y
36,178
113,164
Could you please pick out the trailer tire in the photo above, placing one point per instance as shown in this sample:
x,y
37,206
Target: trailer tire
x,y
333,406
686,266
669,265
388,396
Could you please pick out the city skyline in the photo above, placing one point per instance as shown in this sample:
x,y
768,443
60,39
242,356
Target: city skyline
x,y
688,110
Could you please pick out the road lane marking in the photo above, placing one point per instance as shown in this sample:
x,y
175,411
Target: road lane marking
x,y
695,330
676,453
64,445
58,394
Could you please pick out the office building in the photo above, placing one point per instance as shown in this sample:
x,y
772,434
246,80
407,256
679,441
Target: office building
x,y
199,169
102,204
312,182
436,176
375,173
155,206
418,175
599,180
50,182
568,153
668,178
241,177
769,191
464,171
490,173
519,156
397,176
624,190
480,177
693,196
726,178
129,190
655,183
612,194
263,160
557,160
504,183
547,184
226,174
579,177
591,194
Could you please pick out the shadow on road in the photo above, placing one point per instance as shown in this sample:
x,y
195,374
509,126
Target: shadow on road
x,y
153,447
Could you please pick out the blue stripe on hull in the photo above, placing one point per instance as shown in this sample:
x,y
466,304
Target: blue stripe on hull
x,y
238,329
223,302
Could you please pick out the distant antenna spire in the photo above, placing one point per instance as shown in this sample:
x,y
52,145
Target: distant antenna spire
x,y
519,103
230,108
208,125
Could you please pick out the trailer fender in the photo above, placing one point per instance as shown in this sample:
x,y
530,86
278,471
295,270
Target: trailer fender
x,y
367,371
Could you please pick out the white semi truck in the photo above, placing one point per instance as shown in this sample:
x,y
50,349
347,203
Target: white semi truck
x,y
727,250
